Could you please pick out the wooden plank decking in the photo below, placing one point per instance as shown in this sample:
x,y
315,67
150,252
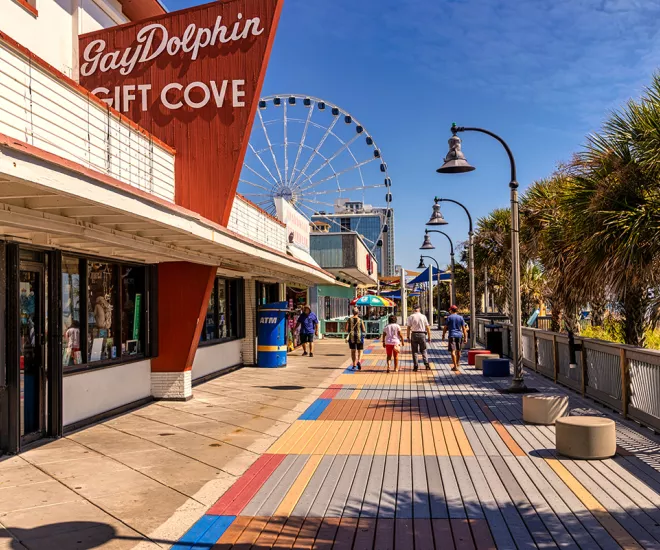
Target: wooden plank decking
x,y
432,459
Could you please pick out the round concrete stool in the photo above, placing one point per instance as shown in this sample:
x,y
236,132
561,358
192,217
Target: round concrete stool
x,y
544,409
496,368
586,437
479,359
473,353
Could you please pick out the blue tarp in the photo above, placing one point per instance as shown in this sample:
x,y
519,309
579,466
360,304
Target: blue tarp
x,y
424,277
396,294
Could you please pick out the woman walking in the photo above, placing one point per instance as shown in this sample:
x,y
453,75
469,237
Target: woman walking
x,y
392,339
356,331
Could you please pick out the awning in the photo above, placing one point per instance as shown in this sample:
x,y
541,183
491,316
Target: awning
x,y
424,276
302,255
50,202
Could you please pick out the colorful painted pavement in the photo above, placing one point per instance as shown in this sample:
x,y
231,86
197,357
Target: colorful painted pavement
x,y
429,460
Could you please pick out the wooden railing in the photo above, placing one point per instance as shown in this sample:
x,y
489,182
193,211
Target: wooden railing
x,y
625,378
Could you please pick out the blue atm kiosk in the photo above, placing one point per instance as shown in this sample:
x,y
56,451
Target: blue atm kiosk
x,y
271,335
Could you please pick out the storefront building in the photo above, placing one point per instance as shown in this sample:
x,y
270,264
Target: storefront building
x,y
128,269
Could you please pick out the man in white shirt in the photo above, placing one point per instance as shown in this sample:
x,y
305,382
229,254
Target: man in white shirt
x,y
419,331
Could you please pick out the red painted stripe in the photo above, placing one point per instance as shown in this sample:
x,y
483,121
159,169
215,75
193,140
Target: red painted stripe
x,y
331,392
218,509
251,489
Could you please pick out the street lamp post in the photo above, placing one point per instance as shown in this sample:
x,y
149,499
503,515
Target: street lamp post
x,y
423,266
428,245
455,163
473,290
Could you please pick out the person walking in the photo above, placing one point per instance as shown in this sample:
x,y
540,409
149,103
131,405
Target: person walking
x,y
419,332
457,329
308,324
392,341
356,331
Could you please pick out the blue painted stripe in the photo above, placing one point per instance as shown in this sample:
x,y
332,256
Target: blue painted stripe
x,y
195,532
315,409
213,534
204,533
368,350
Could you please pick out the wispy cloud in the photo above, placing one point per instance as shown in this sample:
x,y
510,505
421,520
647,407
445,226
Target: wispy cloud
x,y
584,55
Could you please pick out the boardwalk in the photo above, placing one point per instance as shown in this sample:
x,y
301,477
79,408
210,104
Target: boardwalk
x,y
434,460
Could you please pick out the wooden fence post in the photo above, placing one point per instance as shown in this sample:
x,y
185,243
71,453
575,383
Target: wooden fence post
x,y
625,393
555,356
583,353
536,352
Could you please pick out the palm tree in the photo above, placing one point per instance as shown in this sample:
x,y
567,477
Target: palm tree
x,y
611,199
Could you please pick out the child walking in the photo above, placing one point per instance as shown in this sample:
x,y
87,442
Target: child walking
x,y
392,339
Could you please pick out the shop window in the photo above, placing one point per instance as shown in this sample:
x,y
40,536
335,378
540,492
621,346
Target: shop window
x,y
132,310
224,313
101,317
71,350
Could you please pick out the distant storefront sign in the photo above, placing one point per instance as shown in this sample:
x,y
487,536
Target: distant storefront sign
x,y
297,225
192,78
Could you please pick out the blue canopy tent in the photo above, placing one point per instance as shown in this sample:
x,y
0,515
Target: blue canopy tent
x,y
424,276
396,294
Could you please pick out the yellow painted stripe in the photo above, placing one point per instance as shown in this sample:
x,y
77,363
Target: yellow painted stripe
x,y
355,394
271,348
333,448
311,439
291,431
417,447
346,445
383,438
300,435
612,526
405,443
461,438
452,445
372,439
361,438
328,437
427,438
395,438
285,509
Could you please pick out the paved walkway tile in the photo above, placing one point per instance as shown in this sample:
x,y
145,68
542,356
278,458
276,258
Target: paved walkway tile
x,y
429,460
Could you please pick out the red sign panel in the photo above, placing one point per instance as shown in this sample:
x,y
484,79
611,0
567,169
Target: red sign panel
x,y
192,78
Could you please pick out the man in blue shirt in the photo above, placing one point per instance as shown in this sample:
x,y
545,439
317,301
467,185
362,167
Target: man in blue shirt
x,y
455,325
309,325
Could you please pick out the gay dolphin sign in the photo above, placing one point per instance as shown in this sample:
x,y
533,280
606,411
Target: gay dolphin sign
x,y
192,78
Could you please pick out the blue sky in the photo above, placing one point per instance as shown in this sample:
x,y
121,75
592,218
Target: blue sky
x,y
541,73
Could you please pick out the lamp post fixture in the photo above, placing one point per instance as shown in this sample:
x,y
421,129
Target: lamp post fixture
x,y
473,289
456,163
423,266
428,245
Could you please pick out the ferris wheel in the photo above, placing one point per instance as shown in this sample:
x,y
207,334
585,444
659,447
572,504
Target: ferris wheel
x,y
322,161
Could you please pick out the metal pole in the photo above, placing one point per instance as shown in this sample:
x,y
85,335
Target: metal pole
x,y
473,291
518,383
404,297
430,295
453,280
486,297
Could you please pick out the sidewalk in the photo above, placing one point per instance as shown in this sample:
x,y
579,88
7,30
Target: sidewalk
x,y
151,474
337,459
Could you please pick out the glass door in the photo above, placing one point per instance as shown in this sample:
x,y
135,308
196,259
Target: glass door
x,y
32,353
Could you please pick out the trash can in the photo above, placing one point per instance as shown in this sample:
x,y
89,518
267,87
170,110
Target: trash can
x,y
271,336
494,339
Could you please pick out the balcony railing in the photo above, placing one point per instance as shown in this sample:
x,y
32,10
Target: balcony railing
x,y
43,108
625,378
